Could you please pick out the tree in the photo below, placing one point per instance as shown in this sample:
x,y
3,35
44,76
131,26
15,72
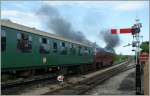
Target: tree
x,y
145,47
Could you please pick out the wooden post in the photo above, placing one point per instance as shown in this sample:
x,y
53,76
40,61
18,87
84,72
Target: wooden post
x,y
144,60
146,78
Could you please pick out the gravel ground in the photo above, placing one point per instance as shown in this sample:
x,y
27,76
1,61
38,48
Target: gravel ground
x,y
48,87
121,84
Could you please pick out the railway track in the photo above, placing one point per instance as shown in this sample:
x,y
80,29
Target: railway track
x,y
17,86
9,84
50,79
84,86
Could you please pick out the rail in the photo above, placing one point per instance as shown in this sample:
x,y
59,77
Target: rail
x,y
85,85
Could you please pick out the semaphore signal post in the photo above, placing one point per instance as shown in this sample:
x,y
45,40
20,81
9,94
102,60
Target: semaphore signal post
x,y
135,31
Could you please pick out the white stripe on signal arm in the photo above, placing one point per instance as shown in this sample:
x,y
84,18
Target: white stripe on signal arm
x,y
118,31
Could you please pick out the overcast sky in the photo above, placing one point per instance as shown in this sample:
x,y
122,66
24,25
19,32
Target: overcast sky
x,y
90,17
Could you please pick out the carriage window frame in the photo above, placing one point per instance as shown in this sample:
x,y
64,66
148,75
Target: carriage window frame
x,y
64,48
44,40
18,35
3,40
63,44
55,47
29,40
80,50
73,49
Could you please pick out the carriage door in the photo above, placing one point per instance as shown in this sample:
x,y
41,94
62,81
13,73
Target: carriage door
x,y
44,50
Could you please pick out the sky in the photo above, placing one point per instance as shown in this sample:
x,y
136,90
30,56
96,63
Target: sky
x,y
90,17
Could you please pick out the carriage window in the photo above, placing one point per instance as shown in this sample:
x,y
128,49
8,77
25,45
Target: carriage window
x,y
18,35
72,49
71,45
80,50
63,49
3,40
44,41
85,48
44,47
86,52
30,38
40,40
24,42
63,44
55,47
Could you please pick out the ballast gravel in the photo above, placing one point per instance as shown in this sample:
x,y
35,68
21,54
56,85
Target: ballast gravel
x,y
121,84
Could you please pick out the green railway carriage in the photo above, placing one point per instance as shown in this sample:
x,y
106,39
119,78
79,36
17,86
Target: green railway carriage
x,y
24,48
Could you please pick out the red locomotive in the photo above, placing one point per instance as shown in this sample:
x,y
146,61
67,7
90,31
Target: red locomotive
x,y
103,58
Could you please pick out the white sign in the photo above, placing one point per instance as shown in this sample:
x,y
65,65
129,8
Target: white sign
x,y
60,78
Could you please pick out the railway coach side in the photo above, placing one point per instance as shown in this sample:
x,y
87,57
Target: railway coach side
x,y
24,48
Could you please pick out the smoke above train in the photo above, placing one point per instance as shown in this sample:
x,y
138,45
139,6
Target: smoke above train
x,y
52,18
61,26
111,40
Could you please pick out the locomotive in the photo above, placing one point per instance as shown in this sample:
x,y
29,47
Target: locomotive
x,y
103,58
26,51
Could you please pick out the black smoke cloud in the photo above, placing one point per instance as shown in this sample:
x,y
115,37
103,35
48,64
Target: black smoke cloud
x,y
111,40
54,21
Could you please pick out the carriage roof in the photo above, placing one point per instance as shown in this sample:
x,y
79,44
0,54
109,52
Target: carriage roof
x,y
13,25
